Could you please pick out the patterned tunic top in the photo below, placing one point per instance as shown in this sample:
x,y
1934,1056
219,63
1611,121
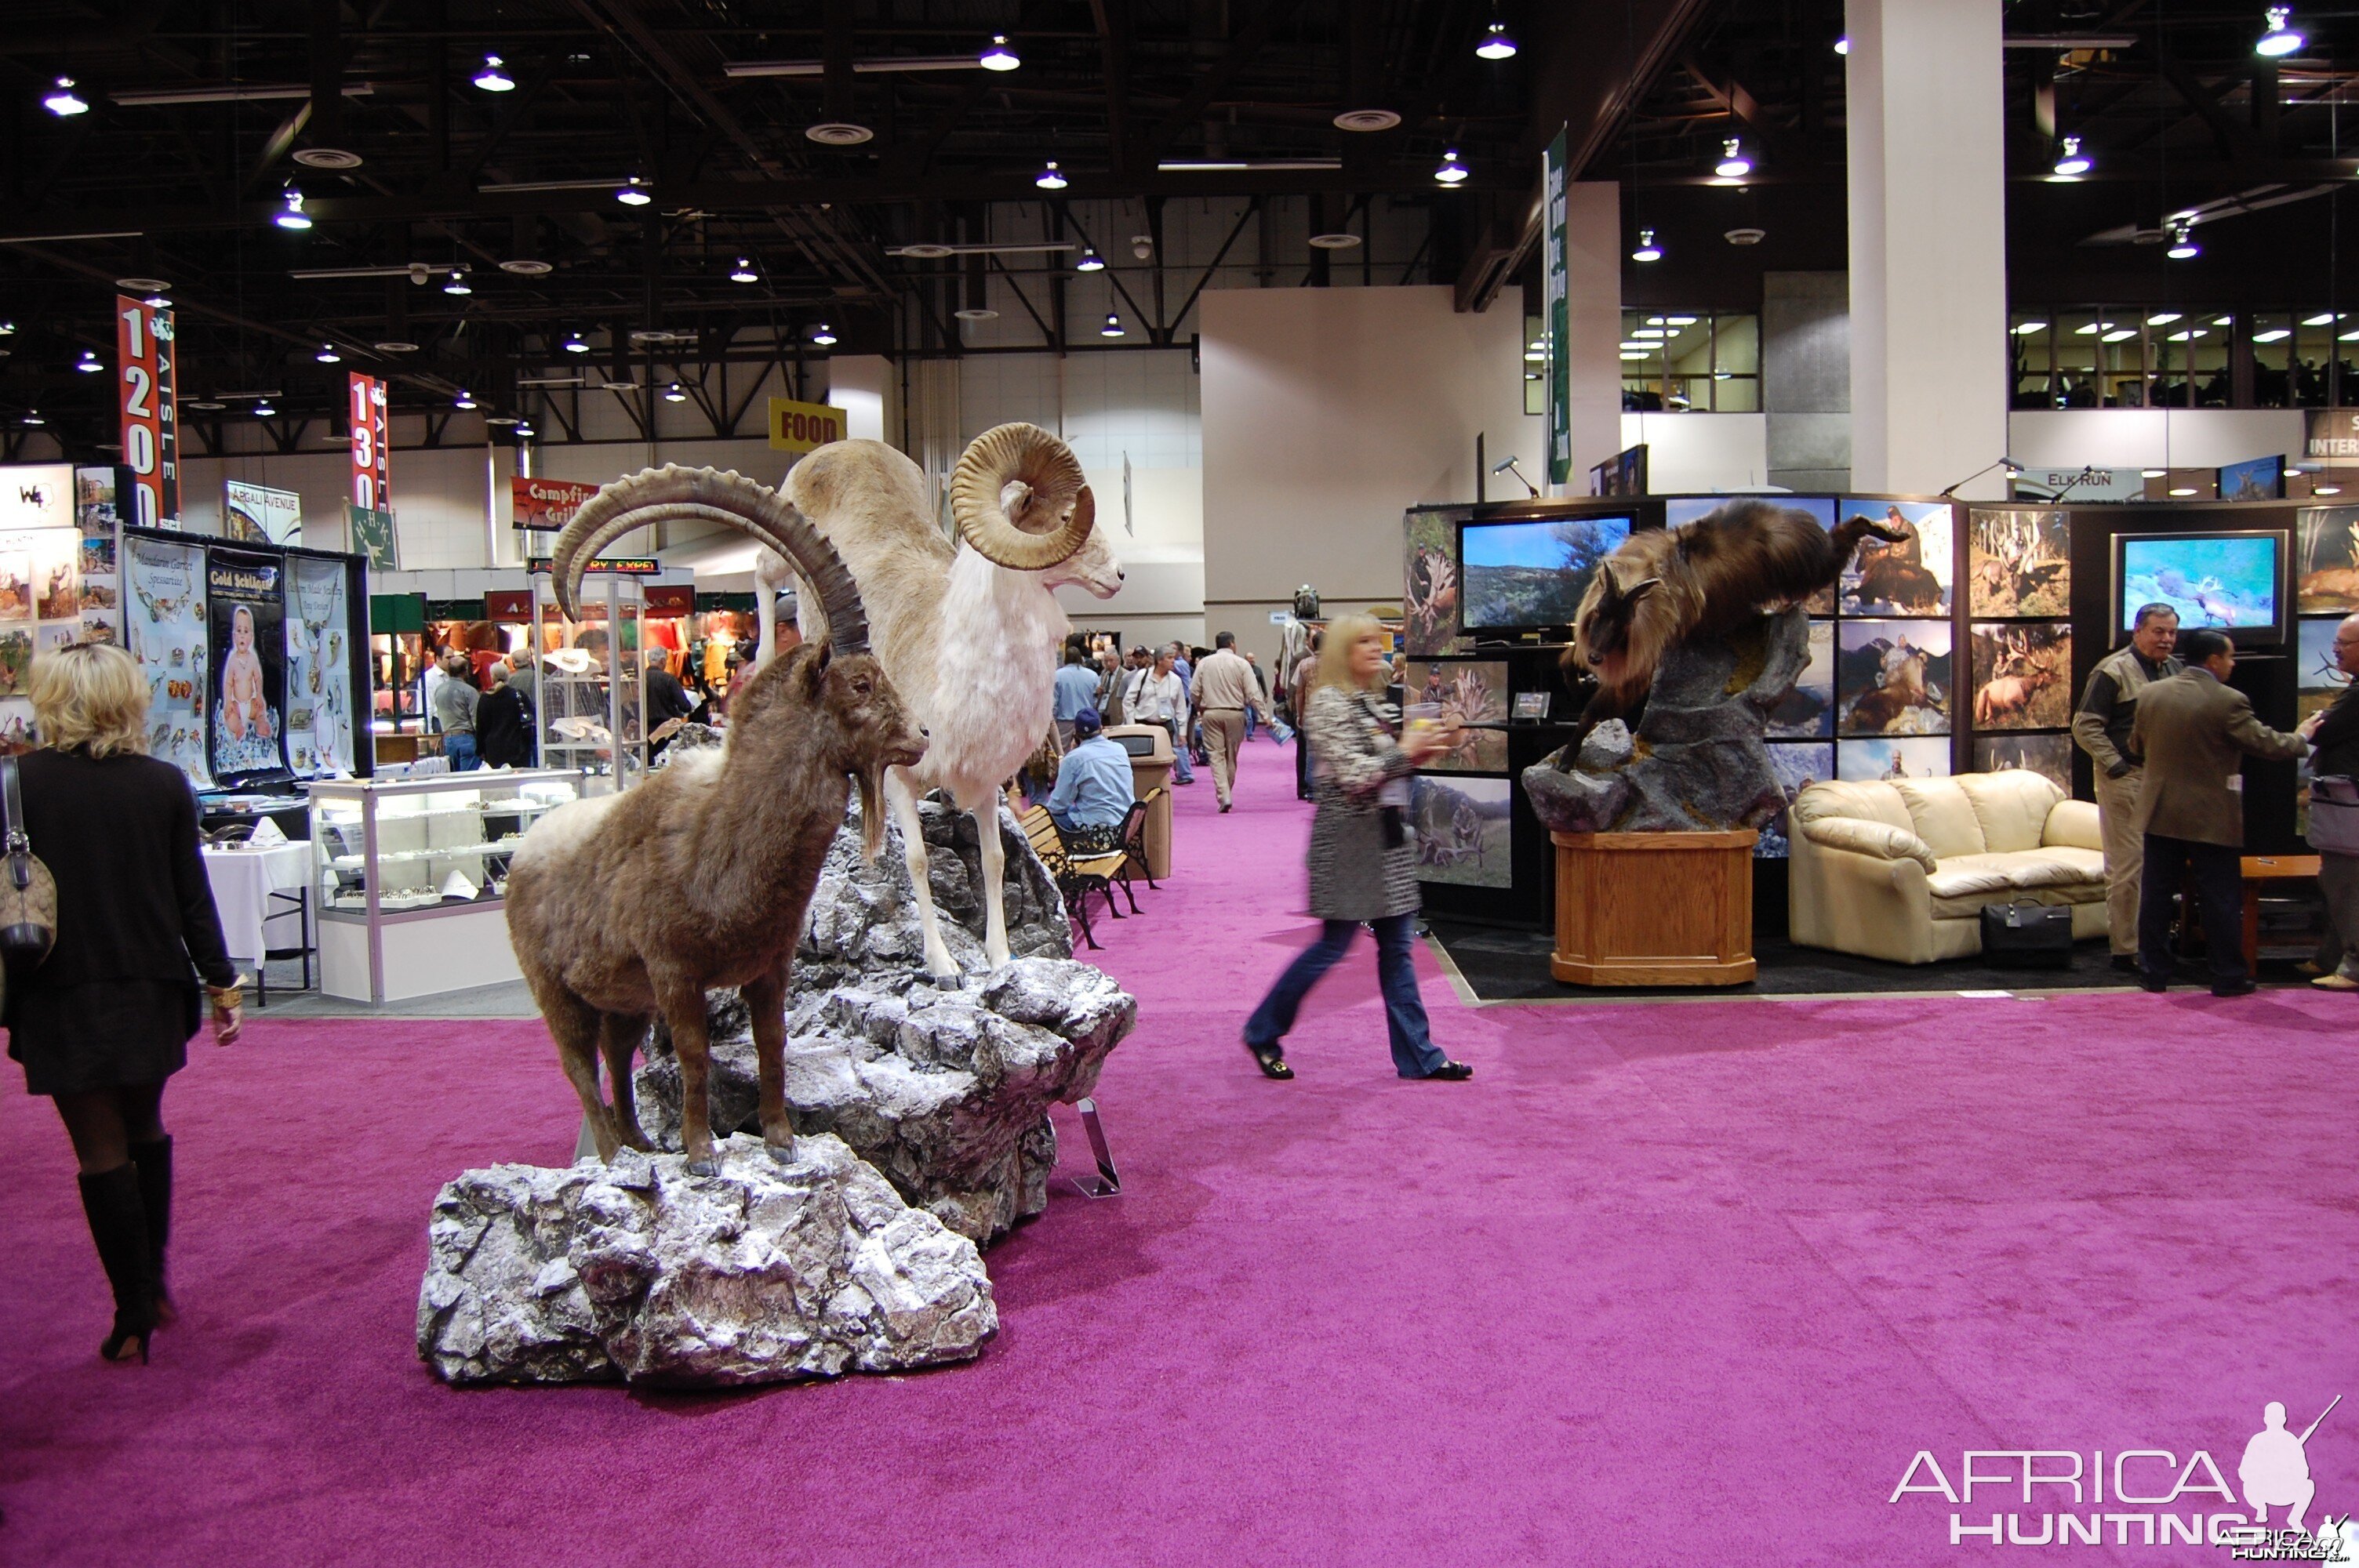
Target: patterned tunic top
x,y
1353,876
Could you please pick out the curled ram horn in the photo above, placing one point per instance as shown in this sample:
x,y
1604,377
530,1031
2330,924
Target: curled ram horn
x,y
675,494
1052,475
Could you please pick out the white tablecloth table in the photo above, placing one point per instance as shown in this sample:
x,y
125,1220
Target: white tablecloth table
x,y
242,881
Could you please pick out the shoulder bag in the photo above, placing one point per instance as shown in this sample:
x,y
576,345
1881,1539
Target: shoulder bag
x,y
28,894
2334,813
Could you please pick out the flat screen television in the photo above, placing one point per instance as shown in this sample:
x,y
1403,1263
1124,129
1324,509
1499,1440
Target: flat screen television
x,y
2232,581
1528,574
2256,479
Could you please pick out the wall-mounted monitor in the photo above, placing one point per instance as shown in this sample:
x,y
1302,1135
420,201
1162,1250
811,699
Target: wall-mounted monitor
x,y
1528,574
2231,581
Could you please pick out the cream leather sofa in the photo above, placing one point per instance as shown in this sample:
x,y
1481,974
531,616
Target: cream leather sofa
x,y
1901,869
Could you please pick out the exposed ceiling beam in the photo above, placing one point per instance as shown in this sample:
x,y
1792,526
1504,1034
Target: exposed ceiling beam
x,y
1242,50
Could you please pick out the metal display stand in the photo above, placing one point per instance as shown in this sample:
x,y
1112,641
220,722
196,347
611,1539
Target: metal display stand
x,y
592,696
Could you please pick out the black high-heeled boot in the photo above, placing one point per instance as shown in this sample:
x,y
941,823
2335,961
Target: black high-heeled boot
x,y
118,1223
155,1162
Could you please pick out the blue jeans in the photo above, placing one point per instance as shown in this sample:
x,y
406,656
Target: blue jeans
x,y
460,747
1180,772
1414,1053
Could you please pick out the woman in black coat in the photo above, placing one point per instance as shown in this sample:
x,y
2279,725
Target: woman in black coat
x,y
502,722
107,1017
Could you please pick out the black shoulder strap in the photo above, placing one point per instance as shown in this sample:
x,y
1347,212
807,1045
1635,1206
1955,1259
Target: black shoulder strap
x,y
11,817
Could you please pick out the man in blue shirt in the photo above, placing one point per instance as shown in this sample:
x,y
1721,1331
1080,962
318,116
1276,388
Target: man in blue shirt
x,y
1094,790
1076,689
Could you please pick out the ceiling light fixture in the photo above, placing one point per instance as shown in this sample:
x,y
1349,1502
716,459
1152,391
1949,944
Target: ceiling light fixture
x,y
2182,245
1732,164
1090,262
265,409
1452,171
2274,335
672,394
574,345
2162,319
744,273
2324,318
62,102
2189,335
457,283
2183,490
1647,250
1842,45
156,302
2154,473
1049,179
837,134
1495,44
2026,329
466,399
1336,242
2070,164
328,355
2280,41
1366,122
2325,490
998,57
89,362
33,417
1636,355
1113,329
634,192
491,79
976,313
294,217
2118,335
823,335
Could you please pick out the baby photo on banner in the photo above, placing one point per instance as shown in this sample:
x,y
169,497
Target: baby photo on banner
x,y
248,616
164,627
319,669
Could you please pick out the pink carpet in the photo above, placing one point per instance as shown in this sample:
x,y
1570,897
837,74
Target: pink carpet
x,y
1673,1284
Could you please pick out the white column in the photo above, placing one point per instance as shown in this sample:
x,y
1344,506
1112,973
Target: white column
x,y
858,385
1928,368
1593,249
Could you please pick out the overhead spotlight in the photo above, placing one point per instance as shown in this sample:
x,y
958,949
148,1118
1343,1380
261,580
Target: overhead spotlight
x,y
1113,329
328,355
998,57
1050,179
1842,45
1732,164
1647,250
1495,44
89,362
1142,246
294,217
62,102
2279,40
466,399
823,335
265,409
1088,262
633,193
33,417
2182,491
744,273
2154,473
8,329
2182,245
492,79
1452,171
574,345
456,282
156,302
672,394
2070,163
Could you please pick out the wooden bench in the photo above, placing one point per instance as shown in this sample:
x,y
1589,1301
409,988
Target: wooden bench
x,y
1076,878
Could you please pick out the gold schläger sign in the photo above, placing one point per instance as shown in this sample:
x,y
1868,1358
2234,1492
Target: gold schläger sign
x,y
801,426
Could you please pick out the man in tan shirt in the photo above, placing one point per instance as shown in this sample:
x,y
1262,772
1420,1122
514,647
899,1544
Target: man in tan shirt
x,y
2194,732
1223,690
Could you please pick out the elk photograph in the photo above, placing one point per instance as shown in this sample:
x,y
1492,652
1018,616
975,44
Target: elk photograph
x,y
2018,563
1910,576
1463,833
1808,712
2050,756
2023,674
1430,576
2326,567
1865,762
1893,678
1466,693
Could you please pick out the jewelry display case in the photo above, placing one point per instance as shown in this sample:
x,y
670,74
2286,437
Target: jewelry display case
x,y
592,692
410,877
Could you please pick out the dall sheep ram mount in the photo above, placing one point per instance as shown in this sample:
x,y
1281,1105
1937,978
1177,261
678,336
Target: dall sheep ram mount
x,y
1696,633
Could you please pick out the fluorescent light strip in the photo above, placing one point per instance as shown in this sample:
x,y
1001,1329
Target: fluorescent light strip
x,y
745,68
229,93
433,270
1244,166
935,253
531,185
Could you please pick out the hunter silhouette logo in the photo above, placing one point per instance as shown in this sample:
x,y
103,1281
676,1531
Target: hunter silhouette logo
x,y
2146,1497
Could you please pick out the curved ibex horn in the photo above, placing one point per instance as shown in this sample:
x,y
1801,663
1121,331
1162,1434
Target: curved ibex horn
x,y
1048,466
675,494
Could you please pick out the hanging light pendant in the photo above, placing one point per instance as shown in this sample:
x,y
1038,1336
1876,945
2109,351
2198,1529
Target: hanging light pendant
x,y
1647,250
2071,163
1452,171
2280,39
1050,179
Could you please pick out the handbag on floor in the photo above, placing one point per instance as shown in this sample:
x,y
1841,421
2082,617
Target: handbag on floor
x,y
2028,935
28,894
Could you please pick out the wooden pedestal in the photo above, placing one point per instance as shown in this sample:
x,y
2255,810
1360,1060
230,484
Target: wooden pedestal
x,y
1654,909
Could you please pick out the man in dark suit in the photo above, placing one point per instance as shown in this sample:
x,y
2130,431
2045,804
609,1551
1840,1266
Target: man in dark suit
x,y
2194,730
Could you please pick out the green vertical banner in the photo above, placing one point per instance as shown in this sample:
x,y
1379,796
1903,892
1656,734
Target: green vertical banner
x,y
1557,268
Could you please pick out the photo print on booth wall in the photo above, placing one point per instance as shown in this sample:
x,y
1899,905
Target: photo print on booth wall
x,y
1819,509
1430,584
1796,766
1893,678
1464,692
1908,577
2315,643
2023,674
2018,563
1866,761
1464,834
2326,560
1808,712
2050,756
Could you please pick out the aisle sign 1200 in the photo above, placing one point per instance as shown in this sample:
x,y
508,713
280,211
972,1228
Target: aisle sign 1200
x,y
150,417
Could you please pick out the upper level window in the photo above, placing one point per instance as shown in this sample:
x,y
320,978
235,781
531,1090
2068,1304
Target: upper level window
x,y
1690,362
2188,357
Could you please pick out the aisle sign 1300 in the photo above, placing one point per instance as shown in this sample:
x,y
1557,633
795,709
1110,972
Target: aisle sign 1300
x,y
371,489
150,422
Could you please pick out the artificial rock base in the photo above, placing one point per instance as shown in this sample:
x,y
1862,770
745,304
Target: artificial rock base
x,y
946,1092
1697,763
642,1272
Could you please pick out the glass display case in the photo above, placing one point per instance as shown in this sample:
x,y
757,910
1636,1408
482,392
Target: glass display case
x,y
410,875
592,691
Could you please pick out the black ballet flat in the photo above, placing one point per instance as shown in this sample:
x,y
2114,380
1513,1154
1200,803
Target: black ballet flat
x,y
1453,1072
123,1344
1273,1064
